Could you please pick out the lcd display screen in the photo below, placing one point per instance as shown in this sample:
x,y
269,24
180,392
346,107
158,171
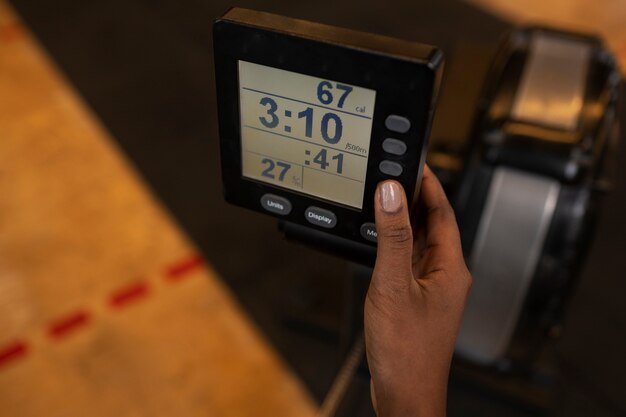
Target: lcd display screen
x,y
304,133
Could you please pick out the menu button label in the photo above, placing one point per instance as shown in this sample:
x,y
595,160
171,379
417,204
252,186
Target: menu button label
x,y
368,232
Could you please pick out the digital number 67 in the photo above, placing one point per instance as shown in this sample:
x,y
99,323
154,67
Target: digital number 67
x,y
325,95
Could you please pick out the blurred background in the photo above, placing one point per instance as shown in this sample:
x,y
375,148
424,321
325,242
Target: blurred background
x,y
129,288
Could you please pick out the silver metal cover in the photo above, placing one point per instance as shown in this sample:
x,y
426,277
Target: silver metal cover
x,y
511,232
551,92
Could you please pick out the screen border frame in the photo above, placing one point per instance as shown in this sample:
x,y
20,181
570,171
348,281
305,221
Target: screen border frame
x,y
411,92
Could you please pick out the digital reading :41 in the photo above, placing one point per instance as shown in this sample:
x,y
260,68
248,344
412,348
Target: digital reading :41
x,y
321,160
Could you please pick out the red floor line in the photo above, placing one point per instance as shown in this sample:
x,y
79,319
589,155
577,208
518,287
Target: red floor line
x,y
129,294
118,298
68,324
180,269
12,352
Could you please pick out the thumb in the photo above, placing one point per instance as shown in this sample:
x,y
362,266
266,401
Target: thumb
x,y
393,270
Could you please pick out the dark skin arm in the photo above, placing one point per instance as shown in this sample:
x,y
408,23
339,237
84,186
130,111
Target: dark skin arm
x,y
415,302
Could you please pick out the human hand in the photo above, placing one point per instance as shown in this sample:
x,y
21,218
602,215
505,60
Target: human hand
x,y
415,301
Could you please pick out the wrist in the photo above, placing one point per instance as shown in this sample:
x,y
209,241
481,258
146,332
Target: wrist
x,y
412,401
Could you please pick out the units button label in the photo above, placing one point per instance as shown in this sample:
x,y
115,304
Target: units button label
x,y
276,204
368,232
320,217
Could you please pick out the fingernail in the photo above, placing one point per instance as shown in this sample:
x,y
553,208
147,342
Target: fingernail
x,y
390,196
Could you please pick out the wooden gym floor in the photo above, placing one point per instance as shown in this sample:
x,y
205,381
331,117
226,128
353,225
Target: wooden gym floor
x,y
106,308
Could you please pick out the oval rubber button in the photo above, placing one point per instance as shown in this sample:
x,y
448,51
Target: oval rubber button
x,y
390,168
394,146
397,123
276,204
320,217
368,232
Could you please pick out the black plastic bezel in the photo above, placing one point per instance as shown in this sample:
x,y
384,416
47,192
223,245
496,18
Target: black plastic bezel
x,y
404,85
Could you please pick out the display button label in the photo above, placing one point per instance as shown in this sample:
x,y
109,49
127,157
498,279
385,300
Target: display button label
x,y
276,204
320,217
368,232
